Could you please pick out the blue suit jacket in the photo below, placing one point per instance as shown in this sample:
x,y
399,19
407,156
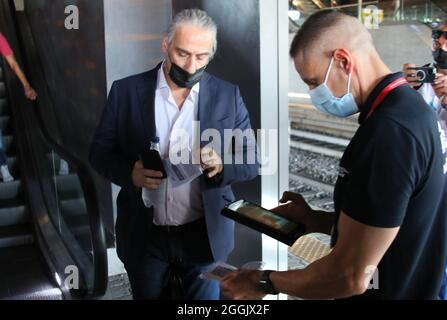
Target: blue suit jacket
x,y
126,127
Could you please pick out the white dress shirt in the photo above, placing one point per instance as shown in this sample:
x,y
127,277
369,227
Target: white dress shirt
x,y
184,203
429,95
431,99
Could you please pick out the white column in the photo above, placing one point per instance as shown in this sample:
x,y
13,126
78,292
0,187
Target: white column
x,y
134,31
274,115
19,4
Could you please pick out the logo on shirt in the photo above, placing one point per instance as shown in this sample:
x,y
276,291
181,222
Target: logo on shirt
x,y
443,137
342,172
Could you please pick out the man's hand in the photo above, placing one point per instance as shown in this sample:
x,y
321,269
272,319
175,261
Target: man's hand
x,y
242,284
210,161
143,178
440,85
297,210
410,75
444,101
30,93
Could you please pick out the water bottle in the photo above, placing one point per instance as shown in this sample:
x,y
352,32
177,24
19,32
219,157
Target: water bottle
x,y
155,144
151,159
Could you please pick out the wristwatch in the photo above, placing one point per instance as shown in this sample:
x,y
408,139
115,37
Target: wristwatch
x,y
265,284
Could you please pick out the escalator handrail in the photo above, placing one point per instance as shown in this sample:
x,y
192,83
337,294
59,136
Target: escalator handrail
x,y
83,171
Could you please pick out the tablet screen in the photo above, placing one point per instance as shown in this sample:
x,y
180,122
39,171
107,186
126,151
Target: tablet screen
x,y
263,216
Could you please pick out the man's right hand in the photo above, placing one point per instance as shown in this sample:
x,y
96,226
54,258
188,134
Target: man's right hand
x,y
296,209
440,86
410,75
143,178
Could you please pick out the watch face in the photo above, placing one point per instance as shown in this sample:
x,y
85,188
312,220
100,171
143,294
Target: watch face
x,y
265,284
264,287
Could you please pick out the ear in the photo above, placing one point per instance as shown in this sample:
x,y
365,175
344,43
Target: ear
x,y
345,60
165,45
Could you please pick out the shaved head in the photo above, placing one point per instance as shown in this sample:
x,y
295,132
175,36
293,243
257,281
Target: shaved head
x,y
328,30
330,38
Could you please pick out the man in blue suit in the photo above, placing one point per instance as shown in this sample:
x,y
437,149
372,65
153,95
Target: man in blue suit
x,y
166,247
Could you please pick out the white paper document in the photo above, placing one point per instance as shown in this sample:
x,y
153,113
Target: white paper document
x,y
181,173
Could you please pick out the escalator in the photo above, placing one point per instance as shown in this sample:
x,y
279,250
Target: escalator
x,y
52,240
21,264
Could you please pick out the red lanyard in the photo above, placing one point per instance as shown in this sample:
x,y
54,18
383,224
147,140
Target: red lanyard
x,y
393,85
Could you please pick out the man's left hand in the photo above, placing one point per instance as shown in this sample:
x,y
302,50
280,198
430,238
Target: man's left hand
x,y
211,161
242,285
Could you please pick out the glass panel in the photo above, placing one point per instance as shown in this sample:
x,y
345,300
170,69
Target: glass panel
x,y
71,205
67,209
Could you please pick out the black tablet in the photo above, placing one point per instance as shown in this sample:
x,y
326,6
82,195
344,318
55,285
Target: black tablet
x,y
264,221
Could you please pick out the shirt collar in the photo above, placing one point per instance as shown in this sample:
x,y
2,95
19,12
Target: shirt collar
x,y
162,83
375,93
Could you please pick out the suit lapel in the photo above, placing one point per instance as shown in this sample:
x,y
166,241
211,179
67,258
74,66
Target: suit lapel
x,y
207,94
146,94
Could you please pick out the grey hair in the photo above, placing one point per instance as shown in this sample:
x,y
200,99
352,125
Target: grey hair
x,y
197,18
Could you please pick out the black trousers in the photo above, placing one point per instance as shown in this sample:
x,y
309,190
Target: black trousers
x,y
173,259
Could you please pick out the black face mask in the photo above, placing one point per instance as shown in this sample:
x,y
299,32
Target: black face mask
x,y
183,78
440,57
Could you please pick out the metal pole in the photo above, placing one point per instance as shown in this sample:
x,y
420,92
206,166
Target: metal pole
x,y
402,14
359,9
354,5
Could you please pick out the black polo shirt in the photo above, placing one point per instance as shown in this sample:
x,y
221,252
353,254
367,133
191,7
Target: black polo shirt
x,y
392,175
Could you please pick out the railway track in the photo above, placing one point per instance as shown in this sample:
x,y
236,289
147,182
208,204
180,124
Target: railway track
x,y
313,131
307,118
316,193
318,143
316,138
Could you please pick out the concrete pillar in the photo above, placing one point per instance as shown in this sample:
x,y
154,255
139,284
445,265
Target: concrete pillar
x,y
133,35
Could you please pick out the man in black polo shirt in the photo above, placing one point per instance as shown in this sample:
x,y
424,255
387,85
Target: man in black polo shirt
x,y
390,199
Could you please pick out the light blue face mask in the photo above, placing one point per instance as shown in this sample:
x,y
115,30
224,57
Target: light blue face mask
x,y
326,102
